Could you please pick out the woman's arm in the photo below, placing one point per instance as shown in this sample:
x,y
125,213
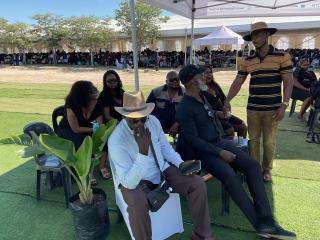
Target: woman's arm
x,y
298,85
106,113
74,123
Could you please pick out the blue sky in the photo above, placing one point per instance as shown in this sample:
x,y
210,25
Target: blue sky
x,y
22,10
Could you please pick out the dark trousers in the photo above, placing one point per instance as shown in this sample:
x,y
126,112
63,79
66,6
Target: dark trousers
x,y
256,210
191,187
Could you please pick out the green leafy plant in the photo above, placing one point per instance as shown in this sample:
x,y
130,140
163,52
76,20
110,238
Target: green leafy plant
x,y
82,160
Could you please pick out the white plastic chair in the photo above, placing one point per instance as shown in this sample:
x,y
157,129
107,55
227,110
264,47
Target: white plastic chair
x,y
165,222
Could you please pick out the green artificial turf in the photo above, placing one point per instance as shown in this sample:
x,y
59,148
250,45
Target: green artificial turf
x,y
294,194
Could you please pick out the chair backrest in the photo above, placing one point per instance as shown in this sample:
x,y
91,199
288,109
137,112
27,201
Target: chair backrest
x,y
38,128
57,112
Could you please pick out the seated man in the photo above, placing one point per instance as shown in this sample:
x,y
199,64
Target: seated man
x,y
135,168
201,131
166,99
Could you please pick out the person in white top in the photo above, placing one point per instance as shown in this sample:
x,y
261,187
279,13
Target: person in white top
x,y
136,169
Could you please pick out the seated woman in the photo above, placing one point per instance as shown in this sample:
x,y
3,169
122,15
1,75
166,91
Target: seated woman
x,y
81,109
111,96
216,98
301,86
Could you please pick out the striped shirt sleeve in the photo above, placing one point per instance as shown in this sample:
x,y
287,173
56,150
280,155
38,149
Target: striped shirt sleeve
x,y
286,64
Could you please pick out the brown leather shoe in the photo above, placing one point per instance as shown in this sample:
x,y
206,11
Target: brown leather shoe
x,y
195,236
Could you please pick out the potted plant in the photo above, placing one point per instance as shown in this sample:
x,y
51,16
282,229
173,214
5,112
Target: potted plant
x,y
89,205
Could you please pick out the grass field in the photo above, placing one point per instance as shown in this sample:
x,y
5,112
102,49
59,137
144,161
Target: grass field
x,y
294,194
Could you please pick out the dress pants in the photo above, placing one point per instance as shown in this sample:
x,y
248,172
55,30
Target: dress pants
x,y
192,188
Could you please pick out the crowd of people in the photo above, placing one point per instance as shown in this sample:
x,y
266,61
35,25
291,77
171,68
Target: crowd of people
x,y
149,58
199,113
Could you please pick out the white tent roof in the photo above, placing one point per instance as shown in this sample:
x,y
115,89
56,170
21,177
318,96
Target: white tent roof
x,y
222,35
239,8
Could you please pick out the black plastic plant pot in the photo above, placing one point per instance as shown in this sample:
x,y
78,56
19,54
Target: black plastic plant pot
x,y
91,221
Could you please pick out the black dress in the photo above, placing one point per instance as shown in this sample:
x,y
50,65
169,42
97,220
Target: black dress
x,y
106,100
64,130
305,78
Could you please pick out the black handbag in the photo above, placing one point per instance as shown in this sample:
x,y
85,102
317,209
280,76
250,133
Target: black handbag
x,y
159,195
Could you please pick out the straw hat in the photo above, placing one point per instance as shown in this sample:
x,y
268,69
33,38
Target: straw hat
x,y
259,27
134,105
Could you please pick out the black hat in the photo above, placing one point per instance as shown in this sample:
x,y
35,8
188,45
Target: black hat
x,y
188,72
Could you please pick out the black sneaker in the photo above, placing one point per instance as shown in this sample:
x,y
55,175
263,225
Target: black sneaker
x,y
275,231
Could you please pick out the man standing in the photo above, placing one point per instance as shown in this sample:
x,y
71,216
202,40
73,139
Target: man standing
x,y
166,99
268,69
201,133
134,147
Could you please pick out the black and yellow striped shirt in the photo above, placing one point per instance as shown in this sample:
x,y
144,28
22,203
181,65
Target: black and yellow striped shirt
x,y
265,82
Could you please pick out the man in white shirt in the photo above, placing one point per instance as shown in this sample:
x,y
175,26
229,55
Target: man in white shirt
x,y
136,169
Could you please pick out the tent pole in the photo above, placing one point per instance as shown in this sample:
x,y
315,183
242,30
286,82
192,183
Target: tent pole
x,y
134,45
185,44
192,31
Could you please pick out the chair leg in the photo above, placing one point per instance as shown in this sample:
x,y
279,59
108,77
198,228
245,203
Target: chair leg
x,y
313,118
65,186
225,199
38,183
119,214
310,116
293,106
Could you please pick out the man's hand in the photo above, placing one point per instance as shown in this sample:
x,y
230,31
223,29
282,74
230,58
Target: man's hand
x,y
227,156
174,129
143,138
279,113
184,164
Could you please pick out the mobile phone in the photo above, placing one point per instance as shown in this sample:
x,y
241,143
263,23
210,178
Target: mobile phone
x,y
193,167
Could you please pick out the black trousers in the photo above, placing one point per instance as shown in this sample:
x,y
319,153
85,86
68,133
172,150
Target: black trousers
x,y
257,209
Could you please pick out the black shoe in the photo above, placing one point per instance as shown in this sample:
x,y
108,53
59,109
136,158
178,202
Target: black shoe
x,y
274,231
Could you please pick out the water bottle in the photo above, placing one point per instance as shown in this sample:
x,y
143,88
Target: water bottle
x,y
95,125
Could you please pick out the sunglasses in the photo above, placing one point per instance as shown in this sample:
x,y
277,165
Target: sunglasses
x,y
112,80
173,79
135,121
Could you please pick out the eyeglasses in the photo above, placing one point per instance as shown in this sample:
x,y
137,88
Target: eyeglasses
x,y
174,80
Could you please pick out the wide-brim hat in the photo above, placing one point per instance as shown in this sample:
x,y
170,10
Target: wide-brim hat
x,y
134,105
259,27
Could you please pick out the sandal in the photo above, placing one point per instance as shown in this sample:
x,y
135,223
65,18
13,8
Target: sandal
x,y
93,181
105,173
267,176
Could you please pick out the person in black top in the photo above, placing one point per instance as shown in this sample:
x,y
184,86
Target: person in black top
x,y
201,132
303,77
216,97
81,109
111,96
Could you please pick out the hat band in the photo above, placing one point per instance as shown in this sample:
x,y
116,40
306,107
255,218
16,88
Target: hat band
x,y
134,109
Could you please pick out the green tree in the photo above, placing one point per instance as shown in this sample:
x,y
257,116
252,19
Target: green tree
x,y
3,38
19,36
148,21
50,31
89,32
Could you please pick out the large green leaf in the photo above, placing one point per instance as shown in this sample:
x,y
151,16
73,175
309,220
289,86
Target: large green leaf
x,y
83,158
62,148
23,139
110,125
31,151
101,135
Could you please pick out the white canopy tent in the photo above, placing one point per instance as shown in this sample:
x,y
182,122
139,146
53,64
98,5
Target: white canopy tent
x,y
200,9
222,35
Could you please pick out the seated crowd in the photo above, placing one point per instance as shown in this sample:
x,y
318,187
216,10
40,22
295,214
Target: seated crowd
x,y
139,141
200,114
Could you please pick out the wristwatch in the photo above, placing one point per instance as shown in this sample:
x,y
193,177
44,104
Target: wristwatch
x,y
285,103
